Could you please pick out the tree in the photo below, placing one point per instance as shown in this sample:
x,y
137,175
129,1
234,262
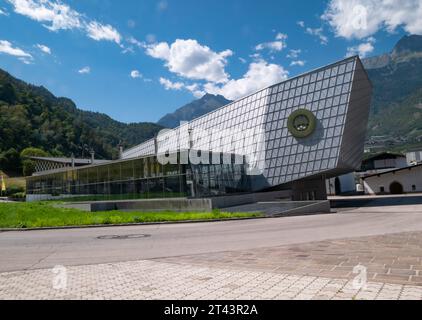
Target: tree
x,y
33,152
28,165
10,160
7,93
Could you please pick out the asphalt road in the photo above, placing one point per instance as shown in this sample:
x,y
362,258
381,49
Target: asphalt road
x,y
44,249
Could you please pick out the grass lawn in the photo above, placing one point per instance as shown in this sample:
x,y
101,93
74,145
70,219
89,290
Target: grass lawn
x,y
45,214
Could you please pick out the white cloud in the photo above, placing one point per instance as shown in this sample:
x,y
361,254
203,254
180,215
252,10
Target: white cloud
x,y
277,45
58,15
299,63
281,36
316,32
261,74
242,60
362,18
136,42
150,38
159,50
256,56
44,48
272,46
127,49
169,85
194,88
135,74
85,70
55,16
3,12
133,42
191,60
98,32
362,49
294,53
7,48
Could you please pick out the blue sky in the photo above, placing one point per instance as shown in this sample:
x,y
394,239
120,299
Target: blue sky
x,y
138,60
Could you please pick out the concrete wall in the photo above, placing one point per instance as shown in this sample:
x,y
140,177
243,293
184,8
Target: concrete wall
x,y
180,204
237,200
406,177
175,204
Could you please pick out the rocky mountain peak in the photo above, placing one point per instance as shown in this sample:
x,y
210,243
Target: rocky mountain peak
x,y
408,47
408,44
206,104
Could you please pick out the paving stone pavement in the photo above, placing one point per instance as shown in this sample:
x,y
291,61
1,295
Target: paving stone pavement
x,y
392,265
149,280
391,258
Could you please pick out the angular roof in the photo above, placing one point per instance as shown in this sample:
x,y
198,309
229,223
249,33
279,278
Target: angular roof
x,y
392,171
69,160
384,155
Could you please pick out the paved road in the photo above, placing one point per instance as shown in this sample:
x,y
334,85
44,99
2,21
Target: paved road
x,y
45,249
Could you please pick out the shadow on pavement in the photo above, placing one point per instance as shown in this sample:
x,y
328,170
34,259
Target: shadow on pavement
x,y
377,202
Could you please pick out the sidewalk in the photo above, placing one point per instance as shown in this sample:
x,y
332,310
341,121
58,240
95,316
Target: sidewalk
x,y
318,270
149,280
391,258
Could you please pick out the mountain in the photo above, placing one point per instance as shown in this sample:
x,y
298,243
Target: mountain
x,y
31,116
407,48
396,75
396,112
193,110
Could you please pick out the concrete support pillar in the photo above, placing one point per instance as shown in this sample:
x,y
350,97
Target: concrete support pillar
x,y
310,189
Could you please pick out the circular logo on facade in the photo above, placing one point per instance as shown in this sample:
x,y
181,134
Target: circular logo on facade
x,y
302,123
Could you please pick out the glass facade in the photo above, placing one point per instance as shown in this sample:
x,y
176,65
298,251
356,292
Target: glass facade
x,y
141,178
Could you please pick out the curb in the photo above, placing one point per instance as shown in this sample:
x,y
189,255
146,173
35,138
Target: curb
x,y
128,224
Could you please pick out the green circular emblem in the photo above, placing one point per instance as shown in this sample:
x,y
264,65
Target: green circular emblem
x,y
302,123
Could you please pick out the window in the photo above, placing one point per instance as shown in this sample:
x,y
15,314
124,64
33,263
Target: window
x,y
382,189
413,188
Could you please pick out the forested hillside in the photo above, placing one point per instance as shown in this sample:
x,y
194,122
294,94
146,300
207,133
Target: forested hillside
x,y
31,116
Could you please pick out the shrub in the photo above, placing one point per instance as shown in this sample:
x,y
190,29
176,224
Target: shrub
x,y
137,219
11,190
18,195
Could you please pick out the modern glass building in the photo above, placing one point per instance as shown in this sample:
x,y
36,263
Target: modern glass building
x,y
141,178
310,127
